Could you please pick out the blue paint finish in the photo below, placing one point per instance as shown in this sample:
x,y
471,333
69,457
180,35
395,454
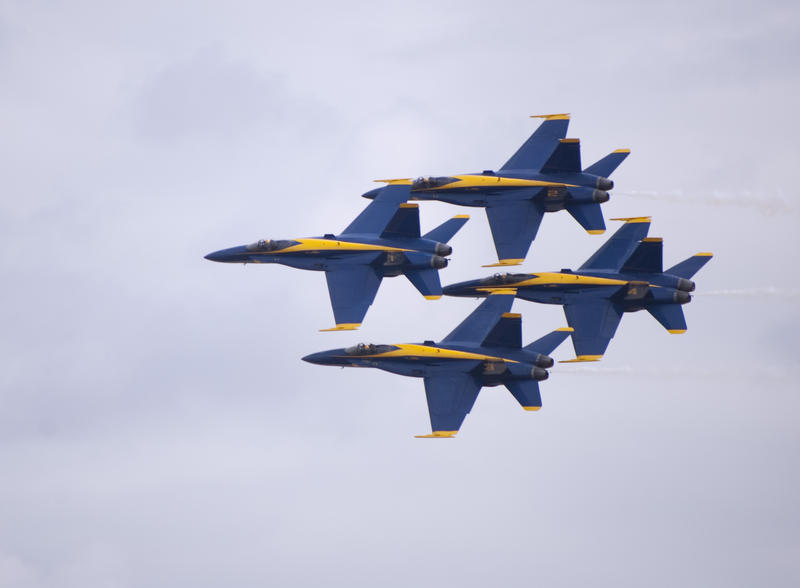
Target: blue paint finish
x,y
452,381
594,308
546,157
354,274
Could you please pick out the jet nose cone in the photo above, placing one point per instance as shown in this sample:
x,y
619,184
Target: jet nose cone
x,y
321,358
230,255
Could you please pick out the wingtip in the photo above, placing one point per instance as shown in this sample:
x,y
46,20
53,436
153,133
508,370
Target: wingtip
x,y
704,254
566,329
633,219
505,262
466,216
595,231
676,331
621,151
342,327
438,435
582,359
433,297
532,408
561,116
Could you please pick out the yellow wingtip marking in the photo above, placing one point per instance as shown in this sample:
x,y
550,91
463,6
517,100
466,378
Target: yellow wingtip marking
x,y
566,329
621,151
408,205
342,327
511,315
436,297
532,408
582,358
595,231
653,239
562,116
569,140
676,331
504,262
634,219
704,254
438,435
461,216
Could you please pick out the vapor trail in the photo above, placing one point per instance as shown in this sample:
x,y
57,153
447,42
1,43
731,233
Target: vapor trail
x,y
753,292
776,204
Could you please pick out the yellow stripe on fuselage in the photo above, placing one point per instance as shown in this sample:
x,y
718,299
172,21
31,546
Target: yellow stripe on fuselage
x,y
331,245
411,350
481,181
546,279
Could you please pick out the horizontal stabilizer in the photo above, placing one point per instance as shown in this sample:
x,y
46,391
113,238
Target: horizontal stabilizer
x,y
427,282
445,231
566,158
477,326
670,316
646,258
404,223
606,166
514,226
506,333
378,213
545,345
615,252
537,149
589,215
526,392
688,268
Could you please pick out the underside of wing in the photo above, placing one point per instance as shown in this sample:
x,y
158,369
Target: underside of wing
x,y
352,290
450,398
378,214
619,247
534,152
594,324
480,323
514,226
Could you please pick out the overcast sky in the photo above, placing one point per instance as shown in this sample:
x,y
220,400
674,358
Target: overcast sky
x,y
157,427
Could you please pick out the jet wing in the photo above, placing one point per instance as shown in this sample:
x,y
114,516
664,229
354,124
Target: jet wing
x,y
482,321
375,218
450,398
594,324
540,145
616,251
352,290
514,226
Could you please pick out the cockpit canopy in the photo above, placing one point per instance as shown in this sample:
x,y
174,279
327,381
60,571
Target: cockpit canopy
x,y
506,278
427,182
271,245
368,349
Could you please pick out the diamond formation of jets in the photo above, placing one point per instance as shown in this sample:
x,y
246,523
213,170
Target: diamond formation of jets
x,y
624,275
544,175
484,350
383,241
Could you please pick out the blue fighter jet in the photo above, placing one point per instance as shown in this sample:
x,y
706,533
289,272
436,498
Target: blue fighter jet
x,y
544,175
383,241
484,350
624,275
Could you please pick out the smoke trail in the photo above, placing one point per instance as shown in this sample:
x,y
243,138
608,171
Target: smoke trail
x,y
753,292
679,372
771,205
